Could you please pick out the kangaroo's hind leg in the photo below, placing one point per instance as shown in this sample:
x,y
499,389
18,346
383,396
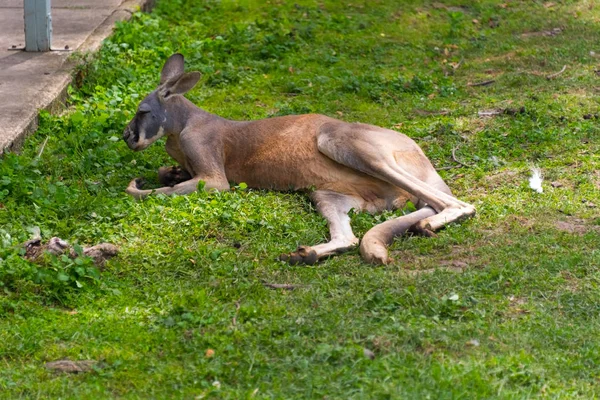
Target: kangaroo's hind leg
x,y
373,246
334,207
396,159
374,151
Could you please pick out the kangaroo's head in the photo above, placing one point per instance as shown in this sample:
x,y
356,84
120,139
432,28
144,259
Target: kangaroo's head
x,y
160,113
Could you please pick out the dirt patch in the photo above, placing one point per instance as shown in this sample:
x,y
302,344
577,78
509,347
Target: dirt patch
x,y
457,266
572,282
517,301
518,221
517,306
576,226
71,367
441,6
382,343
548,33
471,126
456,260
417,272
505,177
502,57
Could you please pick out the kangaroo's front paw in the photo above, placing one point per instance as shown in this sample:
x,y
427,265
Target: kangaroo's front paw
x,y
134,187
303,255
137,183
171,176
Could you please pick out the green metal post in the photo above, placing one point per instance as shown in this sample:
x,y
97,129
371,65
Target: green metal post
x,y
38,25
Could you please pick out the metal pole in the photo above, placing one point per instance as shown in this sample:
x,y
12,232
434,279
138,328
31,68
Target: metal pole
x,y
38,25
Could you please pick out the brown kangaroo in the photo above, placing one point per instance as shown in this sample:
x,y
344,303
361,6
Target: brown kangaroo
x,y
343,165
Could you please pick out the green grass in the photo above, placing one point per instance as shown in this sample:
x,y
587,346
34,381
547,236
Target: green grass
x,y
522,318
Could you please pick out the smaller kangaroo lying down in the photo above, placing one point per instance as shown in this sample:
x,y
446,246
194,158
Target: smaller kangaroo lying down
x,y
348,165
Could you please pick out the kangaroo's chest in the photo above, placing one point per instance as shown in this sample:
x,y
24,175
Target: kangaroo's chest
x,y
173,148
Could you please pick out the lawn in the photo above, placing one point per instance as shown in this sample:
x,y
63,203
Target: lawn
x,y
505,305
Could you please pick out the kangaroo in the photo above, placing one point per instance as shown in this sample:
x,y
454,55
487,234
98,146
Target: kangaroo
x,y
343,166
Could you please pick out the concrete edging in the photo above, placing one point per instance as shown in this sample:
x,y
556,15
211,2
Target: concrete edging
x,y
54,95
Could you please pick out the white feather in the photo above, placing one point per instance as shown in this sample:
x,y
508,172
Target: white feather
x,y
535,182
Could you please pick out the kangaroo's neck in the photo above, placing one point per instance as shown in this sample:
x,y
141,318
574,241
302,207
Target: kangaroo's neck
x,y
181,112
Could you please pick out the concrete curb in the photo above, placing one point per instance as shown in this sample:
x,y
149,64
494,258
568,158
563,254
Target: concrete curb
x,y
53,96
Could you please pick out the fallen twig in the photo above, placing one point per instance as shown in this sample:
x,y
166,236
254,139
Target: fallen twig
x,y
490,113
237,309
456,159
425,113
448,167
500,111
457,66
284,286
454,67
43,147
484,83
551,76
552,32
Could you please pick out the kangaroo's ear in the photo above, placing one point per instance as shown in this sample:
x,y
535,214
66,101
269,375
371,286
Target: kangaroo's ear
x,y
172,69
184,84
